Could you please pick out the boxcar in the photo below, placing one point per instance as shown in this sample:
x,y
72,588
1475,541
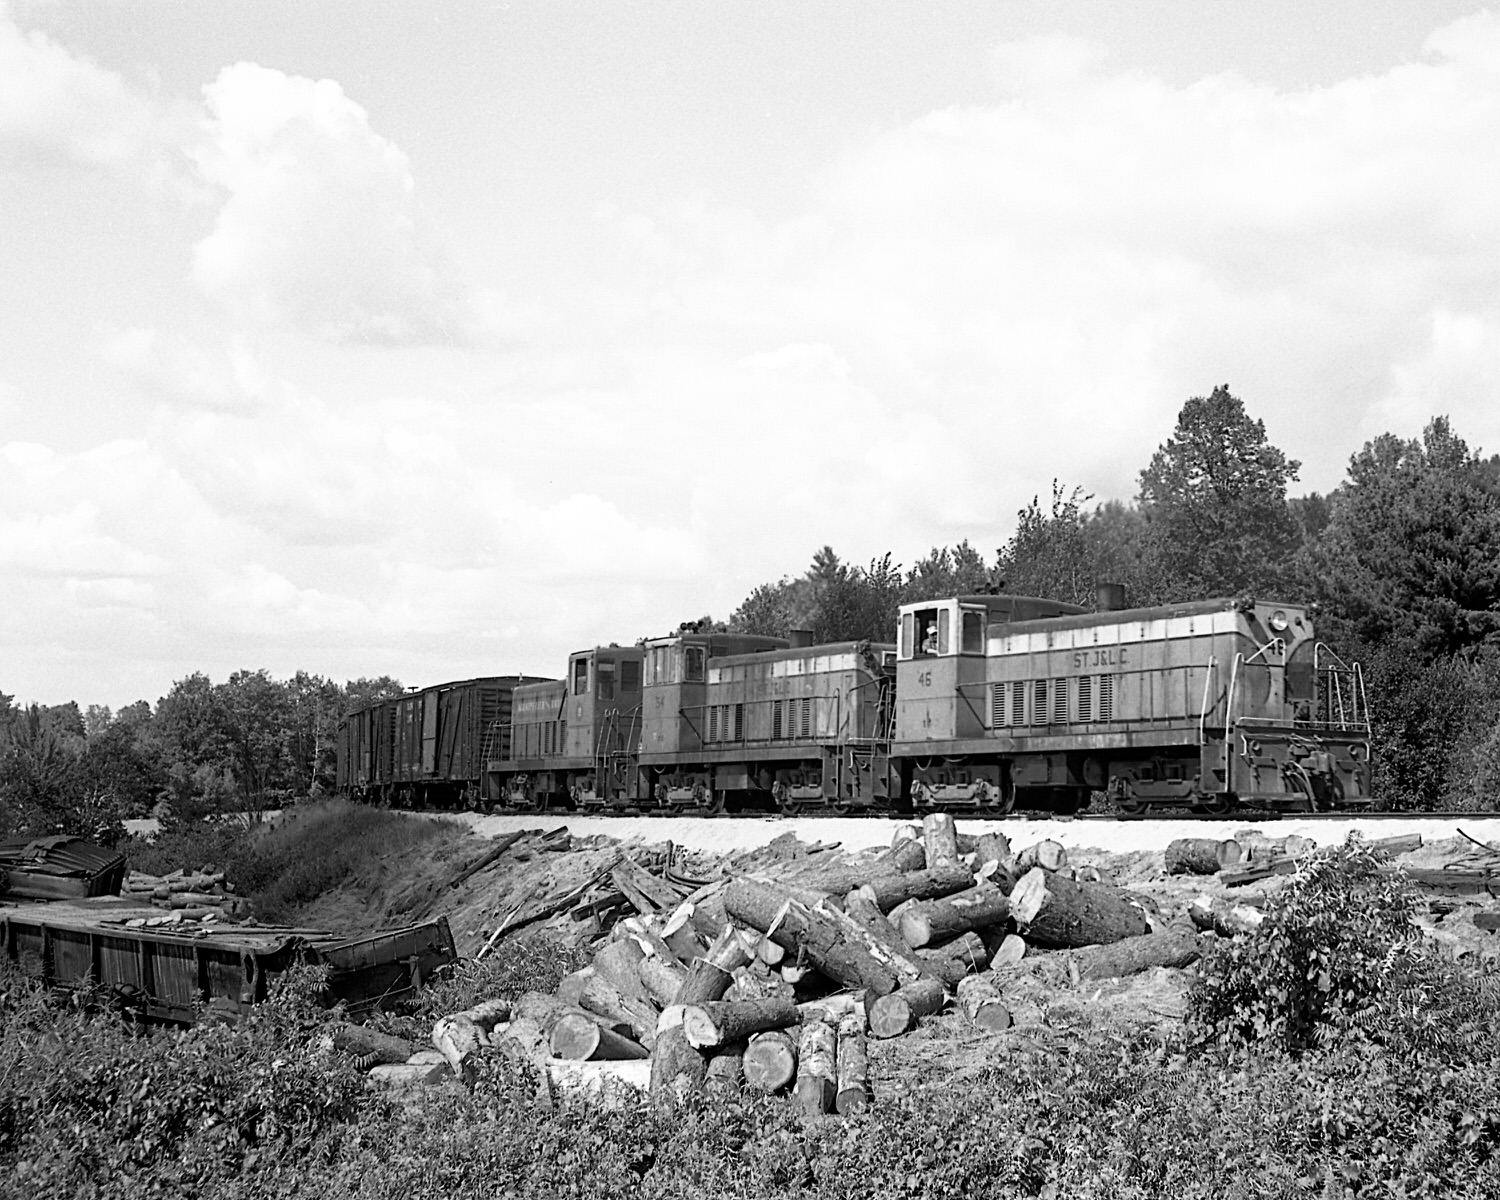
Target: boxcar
x,y
429,747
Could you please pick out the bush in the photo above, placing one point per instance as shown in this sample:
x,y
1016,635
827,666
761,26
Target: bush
x,y
1337,945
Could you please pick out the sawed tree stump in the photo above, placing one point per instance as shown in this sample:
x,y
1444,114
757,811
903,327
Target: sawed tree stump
x,y
1053,911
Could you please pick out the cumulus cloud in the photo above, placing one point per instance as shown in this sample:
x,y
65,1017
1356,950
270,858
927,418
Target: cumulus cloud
x,y
185,372
320,228
55,105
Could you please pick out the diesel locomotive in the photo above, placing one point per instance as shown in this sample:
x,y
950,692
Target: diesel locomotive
x,y
983,704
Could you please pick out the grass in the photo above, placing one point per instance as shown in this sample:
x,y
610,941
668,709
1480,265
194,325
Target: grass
x,y
317,848
311,851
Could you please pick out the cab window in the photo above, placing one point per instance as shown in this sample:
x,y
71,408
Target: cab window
x,y
928,638
630,675
604,679
943,643
692,664
908,623
971,639
580,676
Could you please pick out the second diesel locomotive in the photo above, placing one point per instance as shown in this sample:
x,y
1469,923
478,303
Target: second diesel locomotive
x,y
983,704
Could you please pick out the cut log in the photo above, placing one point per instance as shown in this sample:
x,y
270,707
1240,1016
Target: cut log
x,y
769,952
1259,848
726,1071
749,984
710,976
993,848
1201,856
708,915
982,1003
940,838
1172,947
881,938
678,1069
893,1015
1401,843
619,962
663,979
683,941
1224,917
572,985
831,1009
1049,854
579,1038
817,1070
908,856
716,1023
964,955
978,907
371,1046
966,945
770,1060
828,945
1052,911
459,1034
524,1041
601,996
852,1091
919,885
1011,950
795,973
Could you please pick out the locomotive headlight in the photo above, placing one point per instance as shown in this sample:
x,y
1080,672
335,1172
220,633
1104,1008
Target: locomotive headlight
x,y
1278,621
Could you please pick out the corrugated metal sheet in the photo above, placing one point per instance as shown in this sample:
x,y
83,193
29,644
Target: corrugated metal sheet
x,y
60,867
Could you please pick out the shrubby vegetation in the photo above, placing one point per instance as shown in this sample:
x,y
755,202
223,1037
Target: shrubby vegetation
x,y
242,747
1366,1069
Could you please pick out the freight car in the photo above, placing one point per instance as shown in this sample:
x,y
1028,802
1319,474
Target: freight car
x,y
427,748
983,704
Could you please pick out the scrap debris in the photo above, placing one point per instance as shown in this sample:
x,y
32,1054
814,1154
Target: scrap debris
x,y
791,968
781,968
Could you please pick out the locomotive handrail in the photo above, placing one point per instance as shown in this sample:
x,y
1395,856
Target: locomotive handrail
x,y
1209,670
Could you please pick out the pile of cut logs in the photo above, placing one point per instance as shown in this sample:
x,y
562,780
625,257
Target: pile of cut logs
x,y
200,896
754,982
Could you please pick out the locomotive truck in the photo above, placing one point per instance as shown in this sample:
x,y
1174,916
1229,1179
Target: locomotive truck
x,y
983,704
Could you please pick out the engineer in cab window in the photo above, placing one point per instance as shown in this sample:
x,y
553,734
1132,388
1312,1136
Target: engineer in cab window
x,y
930,640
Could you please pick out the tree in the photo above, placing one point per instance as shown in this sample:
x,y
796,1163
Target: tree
x,y
769,610
948,571
364,691
1215,496
1048,555
1411,548
1120,546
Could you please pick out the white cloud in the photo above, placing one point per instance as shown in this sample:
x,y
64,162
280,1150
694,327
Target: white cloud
x,y
320,229
56,105
176,369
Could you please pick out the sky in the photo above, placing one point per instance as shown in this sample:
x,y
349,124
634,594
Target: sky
x,y
443,340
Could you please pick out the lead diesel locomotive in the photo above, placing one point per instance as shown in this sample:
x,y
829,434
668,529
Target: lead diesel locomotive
x,y
983,704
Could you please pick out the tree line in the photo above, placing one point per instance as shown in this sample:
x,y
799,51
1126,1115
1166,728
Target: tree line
x,y
247,745
1402,558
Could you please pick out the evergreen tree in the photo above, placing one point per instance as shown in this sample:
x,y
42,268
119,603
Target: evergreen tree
x,y
1214,495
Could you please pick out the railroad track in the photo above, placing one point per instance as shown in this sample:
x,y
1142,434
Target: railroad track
x,y
729,833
